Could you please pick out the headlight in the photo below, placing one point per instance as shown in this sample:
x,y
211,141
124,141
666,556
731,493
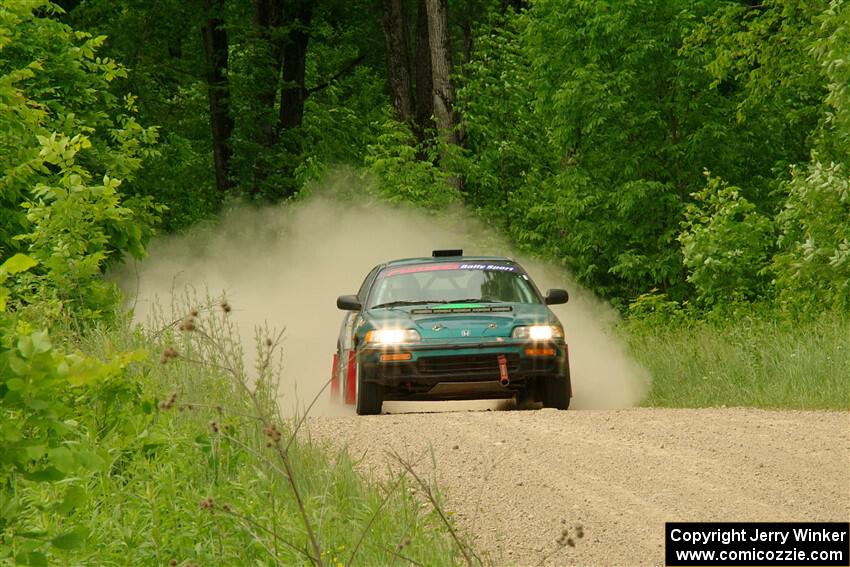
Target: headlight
x,y
392,336
539,332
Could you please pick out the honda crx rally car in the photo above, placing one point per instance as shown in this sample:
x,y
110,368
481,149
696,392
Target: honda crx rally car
x,y
450,327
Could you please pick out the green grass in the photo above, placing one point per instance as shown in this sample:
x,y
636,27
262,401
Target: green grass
x,y
200,481
755,360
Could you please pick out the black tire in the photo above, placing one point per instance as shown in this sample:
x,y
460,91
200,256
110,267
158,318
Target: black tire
x,y
556,392
370,396
525,398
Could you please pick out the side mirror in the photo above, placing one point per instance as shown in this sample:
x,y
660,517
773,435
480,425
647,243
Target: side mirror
x,y
556,297
348,303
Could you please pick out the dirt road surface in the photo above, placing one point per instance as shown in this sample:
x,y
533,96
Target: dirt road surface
x,y
514,480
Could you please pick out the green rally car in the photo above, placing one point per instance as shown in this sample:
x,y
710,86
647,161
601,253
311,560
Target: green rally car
x,y
450,327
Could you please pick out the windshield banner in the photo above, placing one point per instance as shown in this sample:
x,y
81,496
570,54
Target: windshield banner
x,y
450,266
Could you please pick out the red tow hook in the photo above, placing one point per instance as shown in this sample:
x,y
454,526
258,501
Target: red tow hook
x,y
504,379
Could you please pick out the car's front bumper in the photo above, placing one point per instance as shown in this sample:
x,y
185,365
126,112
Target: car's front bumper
x,y
462,370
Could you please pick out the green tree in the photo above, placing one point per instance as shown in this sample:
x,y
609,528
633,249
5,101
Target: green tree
x,y
812,264
726,245
63,127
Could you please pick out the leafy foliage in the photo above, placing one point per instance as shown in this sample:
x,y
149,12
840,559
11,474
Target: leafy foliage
x,y
402,176
813,261
589,126
726,245
44,442
61,127
76,229
813,265
585,128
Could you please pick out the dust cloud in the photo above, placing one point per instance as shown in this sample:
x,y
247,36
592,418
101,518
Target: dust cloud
x,y
286,265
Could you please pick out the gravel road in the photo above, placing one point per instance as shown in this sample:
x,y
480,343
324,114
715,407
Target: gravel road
x,y
515,480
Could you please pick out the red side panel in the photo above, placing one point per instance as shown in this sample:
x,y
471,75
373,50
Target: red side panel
x,y
335,379
351,380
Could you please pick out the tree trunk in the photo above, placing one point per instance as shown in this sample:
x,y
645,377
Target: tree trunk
x,y
441,70
398,59
294,93
424,90
215,52
268,17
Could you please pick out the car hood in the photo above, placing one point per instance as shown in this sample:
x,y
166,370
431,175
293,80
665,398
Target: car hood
x,y
460,321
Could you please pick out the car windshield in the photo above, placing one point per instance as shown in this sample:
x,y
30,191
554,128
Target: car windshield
x,y
451,283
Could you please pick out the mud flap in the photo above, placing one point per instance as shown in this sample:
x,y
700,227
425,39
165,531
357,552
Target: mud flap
x,y
335,378
351,380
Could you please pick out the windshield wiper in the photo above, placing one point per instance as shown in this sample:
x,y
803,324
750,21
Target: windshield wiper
x,y
401,302
434,301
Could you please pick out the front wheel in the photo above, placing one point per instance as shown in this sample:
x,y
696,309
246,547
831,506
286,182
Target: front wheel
x,y
556,392
370,396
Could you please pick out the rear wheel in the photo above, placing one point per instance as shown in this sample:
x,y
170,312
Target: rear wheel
x,y
556,392
370,396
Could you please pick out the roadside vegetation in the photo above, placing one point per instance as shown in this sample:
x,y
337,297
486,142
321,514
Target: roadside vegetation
x,y
688,161
749,359
161,447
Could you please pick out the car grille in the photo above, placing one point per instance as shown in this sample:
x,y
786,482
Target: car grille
x,y
466,364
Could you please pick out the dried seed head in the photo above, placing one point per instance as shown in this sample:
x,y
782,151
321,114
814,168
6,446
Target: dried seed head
x,y
269,342
272,433
214,426
188,324
193,312
172,563
225,306
169,403
168,353
570,542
